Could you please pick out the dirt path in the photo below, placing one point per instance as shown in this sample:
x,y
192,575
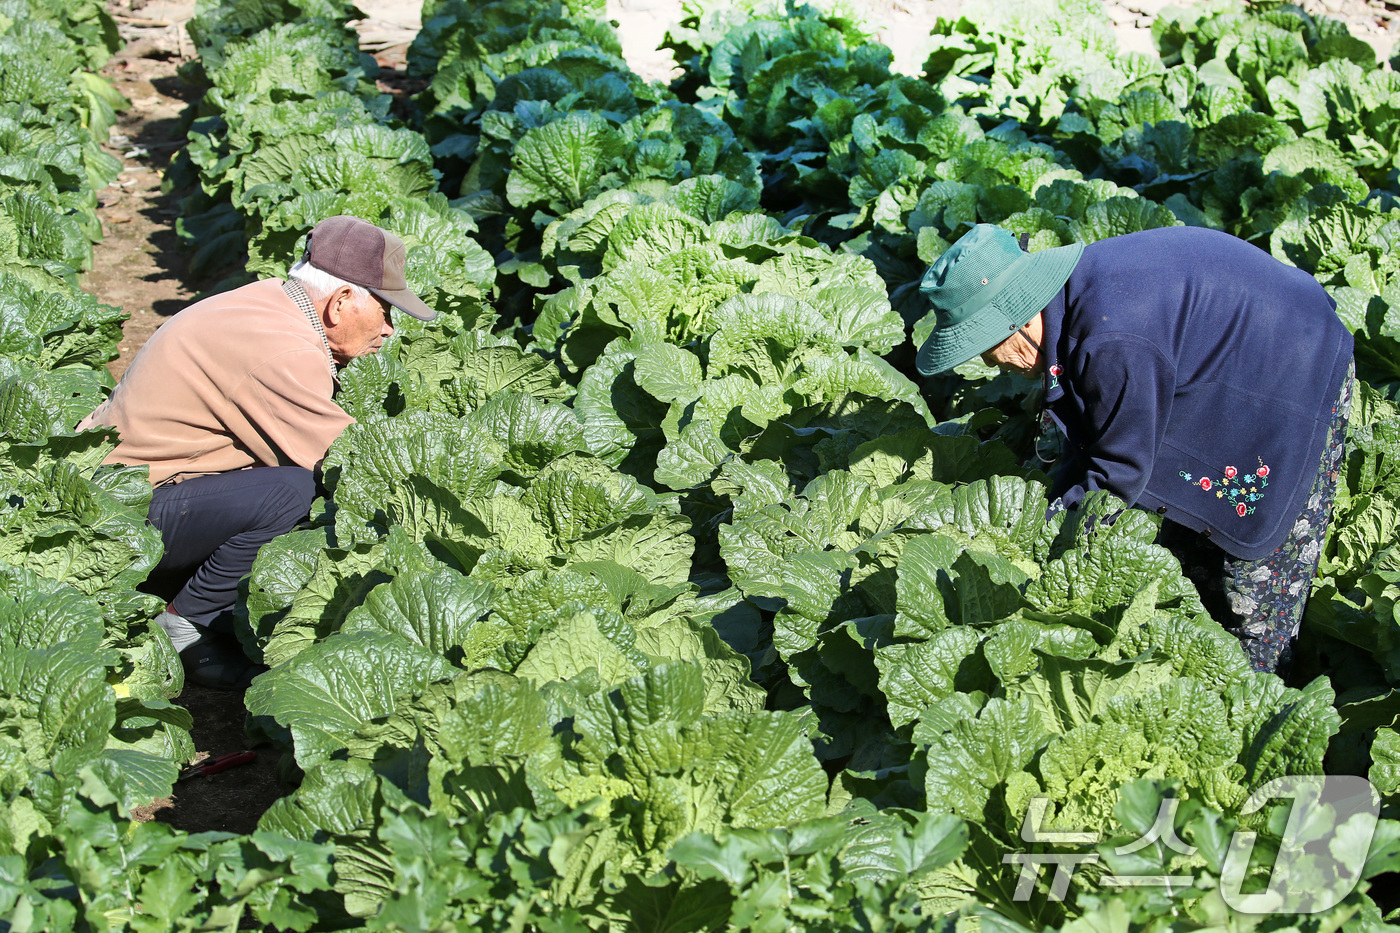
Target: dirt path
x,y
139,265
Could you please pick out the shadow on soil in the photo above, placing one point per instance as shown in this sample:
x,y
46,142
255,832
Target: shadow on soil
x,y
162,139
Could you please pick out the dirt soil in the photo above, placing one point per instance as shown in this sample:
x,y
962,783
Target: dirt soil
x,y
141,267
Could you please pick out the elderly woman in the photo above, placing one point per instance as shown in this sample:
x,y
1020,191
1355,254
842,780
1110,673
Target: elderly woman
x,y
1191,374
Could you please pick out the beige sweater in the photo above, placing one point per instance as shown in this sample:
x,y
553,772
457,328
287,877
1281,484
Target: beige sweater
x,y
234,381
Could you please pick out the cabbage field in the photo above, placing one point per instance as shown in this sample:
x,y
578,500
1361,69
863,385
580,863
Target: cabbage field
x,y
653,590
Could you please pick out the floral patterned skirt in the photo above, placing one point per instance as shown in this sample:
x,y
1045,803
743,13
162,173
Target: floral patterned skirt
x,y
1261,602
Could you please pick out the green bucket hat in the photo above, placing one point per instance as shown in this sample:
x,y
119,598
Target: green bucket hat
x,y
983,289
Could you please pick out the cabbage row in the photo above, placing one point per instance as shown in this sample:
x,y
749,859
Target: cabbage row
x,y
293,129
651,592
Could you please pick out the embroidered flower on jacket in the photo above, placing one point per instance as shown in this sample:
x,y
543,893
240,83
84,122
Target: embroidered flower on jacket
x,y
1234,490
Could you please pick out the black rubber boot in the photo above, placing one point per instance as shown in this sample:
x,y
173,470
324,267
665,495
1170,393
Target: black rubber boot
x,y
218,662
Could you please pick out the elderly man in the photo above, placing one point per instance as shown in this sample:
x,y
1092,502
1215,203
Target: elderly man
x,y
1189,373
231,405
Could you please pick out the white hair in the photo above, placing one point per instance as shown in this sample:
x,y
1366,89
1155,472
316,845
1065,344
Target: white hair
x,y
319,283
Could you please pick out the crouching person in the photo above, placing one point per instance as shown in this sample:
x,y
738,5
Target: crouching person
x,y
231,404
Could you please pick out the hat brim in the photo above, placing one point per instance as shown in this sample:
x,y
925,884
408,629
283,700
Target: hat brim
x,y
1039,276
405,300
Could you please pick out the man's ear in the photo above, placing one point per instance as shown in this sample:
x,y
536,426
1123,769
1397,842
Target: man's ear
x,y
335,303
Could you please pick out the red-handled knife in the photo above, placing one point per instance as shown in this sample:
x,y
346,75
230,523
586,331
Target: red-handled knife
x,y
214,765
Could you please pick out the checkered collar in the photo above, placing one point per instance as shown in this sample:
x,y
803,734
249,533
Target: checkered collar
x,y
303,301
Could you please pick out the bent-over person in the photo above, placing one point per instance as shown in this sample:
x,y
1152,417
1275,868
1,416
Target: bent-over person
x,y
1190,374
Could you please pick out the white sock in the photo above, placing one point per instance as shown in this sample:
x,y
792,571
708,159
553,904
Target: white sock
x,y
182,631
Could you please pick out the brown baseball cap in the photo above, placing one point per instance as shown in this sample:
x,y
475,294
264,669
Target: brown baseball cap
x,y
361,253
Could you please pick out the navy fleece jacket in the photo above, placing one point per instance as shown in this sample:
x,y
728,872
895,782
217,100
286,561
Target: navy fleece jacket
x,y
1194,375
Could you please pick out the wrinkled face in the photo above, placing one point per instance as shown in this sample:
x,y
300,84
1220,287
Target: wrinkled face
x,y
1015,353
356,326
